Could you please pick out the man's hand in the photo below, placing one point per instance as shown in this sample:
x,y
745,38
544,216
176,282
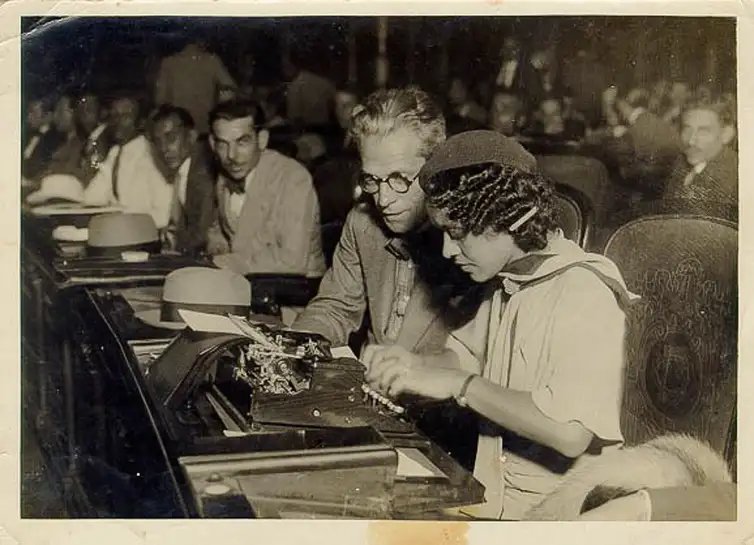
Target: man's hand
x,y
233,262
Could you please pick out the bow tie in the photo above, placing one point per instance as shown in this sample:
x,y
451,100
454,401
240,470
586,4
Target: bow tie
x,y
237,188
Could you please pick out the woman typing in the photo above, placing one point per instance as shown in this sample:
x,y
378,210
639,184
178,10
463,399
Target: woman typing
x,y
542,361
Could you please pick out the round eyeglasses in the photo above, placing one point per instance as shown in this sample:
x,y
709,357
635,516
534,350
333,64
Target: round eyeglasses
x,y
398,182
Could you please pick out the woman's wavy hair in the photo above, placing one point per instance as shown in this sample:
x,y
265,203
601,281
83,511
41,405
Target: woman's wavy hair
x,y
492,196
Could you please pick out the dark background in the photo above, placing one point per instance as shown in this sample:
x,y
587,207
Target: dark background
x,y
124,52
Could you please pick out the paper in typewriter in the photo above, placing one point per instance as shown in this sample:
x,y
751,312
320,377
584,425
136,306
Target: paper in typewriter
x,y
413,463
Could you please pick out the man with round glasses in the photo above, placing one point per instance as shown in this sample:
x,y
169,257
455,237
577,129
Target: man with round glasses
x,y
388,264
376,264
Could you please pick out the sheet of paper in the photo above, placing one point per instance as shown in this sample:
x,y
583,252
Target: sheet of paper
x,y
210,323
413,463
343,352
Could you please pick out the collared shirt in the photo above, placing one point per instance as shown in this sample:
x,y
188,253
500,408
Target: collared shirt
x,y
96,132
178,203
234,201
405,276
34,141
129,171
693,173
181,180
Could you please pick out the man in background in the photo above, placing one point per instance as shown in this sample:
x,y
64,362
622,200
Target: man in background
x,y
708,168
188,163
97,140
310,97
129,176
268,215
192,79
644,146
39,140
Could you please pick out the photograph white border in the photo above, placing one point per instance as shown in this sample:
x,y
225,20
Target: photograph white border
x,y
262,532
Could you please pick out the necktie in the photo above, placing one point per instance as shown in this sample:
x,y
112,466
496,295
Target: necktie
x,y
237,188
397,247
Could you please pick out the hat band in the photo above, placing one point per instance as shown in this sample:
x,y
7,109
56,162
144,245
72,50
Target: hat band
x,y
153,247
169,310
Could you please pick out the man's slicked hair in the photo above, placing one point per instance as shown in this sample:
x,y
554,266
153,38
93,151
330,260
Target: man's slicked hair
x,y
166,111
238,109
386,111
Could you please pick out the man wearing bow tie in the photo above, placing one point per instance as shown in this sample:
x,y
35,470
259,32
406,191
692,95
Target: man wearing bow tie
x,y
268,213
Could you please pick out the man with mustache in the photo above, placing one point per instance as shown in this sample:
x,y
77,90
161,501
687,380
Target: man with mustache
x,y
708,169
268,213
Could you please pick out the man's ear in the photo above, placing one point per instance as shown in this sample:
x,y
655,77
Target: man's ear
x,y
729,132
211,142
263,138
193,135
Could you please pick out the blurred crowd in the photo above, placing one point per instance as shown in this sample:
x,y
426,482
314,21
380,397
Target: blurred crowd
x,y
163,154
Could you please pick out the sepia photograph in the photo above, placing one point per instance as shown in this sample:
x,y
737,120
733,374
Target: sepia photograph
x,y
416,268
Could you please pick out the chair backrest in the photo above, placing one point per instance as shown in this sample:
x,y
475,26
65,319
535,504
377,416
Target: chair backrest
x,y
682,334
330,237
586,174
575,215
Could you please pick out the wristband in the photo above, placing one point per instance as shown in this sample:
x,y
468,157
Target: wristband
x,y
461,397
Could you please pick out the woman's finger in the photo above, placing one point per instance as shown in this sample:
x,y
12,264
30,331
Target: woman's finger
x,y
402,384
392,370
375,357
379,371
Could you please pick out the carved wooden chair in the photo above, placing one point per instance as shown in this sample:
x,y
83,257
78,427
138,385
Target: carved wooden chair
x,y
585,174
681,346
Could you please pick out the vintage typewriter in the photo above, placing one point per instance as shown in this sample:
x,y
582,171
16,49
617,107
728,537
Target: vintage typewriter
x,y
276,423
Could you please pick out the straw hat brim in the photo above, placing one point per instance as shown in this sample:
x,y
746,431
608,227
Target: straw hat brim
x,y
40,197
152,317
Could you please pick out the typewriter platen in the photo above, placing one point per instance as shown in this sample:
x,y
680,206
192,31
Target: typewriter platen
x,y
271,418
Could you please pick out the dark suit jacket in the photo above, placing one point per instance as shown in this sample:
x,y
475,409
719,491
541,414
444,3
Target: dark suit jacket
x,y
35,166
362,280
717,183
201,205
